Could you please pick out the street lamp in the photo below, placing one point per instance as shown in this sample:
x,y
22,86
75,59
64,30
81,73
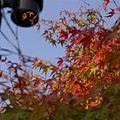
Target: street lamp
x,y
25,13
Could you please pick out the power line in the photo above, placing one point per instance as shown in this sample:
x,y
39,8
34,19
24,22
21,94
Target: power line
x,y
5,18
8,40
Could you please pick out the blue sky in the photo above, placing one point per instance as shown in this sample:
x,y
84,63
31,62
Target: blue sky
x,y
31,42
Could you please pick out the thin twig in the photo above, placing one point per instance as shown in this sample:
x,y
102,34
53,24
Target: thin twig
x,y
21,56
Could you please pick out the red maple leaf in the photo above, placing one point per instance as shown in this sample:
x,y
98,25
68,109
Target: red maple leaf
x,y
63,35
86,40
118,8
106,2
35,59
74,31
1,73
111,13
37,81
95,45
60,62
73,41
82,67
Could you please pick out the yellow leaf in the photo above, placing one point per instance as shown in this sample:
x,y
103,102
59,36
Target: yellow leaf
x,y
45,62
36,64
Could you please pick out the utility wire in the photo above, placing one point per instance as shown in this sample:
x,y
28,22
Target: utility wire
x,y
5,18
21,57
27,59
19,53
8,40
24,58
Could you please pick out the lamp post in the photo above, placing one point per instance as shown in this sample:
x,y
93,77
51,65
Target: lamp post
x,y
25,13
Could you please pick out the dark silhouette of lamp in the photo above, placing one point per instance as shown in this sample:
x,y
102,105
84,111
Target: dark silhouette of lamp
x,y
25,13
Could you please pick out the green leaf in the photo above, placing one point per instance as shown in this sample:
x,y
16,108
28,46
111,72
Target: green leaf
x,y
39,112
15,114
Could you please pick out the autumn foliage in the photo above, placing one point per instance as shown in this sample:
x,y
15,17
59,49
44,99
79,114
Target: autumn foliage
x,y
84,84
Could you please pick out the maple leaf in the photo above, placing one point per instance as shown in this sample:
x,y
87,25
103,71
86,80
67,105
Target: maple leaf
x,y
111,13
1,73
38,26
106,2
95,45
60,62
118,8
73,41
86,40
36,63
82,67
74,31
94,103
63,35
101,64
35,59
93,70
37,81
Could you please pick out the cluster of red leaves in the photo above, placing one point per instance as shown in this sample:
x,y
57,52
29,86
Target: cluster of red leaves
x,y
73,88
63,35
113,10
